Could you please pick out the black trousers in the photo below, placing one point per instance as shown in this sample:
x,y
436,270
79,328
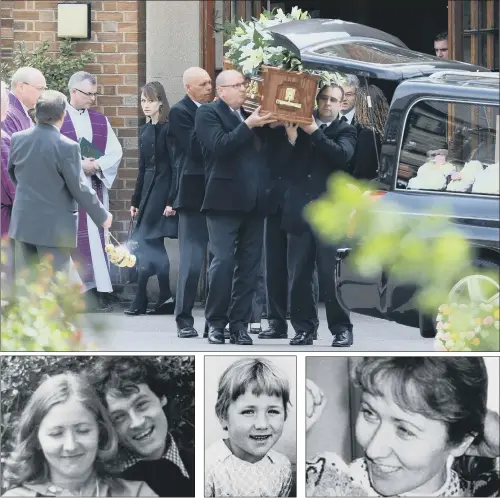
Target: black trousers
x,y
304,252
276,272
193,240
236,242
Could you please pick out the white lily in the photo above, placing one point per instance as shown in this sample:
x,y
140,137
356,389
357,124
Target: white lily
x,y
253,60
295,14
304,15
280,16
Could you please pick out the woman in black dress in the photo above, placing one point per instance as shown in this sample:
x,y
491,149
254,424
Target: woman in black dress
x,y
370,132
152,202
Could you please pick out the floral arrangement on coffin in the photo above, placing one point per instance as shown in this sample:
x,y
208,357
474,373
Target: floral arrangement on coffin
x,y
462,181
466,328
251,46
433,174
488,180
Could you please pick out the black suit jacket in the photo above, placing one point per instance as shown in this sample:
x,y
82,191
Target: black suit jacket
x,y
188,156
312,160
237,176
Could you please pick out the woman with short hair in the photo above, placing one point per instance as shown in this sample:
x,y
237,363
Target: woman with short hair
x,y
416,421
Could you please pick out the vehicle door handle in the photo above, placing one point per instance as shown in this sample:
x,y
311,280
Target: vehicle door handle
x,y
342,253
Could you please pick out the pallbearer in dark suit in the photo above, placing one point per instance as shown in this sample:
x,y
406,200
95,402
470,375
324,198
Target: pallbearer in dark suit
x,y
317,151
237,197
193,233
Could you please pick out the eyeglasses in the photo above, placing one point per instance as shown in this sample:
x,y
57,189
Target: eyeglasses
x,y
325,98
88,94
349,95
243,84
39,87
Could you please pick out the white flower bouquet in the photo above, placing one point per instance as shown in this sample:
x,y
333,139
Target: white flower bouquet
x,y
251,46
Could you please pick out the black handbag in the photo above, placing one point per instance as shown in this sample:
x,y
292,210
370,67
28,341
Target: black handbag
x,y
130,275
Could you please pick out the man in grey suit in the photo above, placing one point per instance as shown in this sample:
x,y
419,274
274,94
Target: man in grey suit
x,y
46,169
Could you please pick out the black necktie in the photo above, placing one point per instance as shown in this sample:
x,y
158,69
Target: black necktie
x,y
343,118
323,126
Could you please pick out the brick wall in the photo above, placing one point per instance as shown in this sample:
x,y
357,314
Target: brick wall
x,y
118,40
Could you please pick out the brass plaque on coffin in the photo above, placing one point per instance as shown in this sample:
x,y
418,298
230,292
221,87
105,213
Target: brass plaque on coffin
x,y
289,95
254,93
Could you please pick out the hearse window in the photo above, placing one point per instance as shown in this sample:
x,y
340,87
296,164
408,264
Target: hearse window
x,y
451,147
378,53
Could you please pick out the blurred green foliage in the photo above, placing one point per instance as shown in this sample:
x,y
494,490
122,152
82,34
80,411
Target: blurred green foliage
x,y
429,252
40,310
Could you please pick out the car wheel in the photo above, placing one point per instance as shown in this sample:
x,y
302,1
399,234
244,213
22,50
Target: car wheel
x,y
477,287
427,326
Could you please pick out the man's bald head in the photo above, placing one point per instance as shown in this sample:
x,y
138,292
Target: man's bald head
x,y
198,84
27,83
231,88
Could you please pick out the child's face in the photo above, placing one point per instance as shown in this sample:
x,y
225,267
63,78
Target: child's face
x,y
254,425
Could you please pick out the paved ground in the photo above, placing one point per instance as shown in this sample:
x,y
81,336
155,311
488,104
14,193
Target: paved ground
x,y
159,333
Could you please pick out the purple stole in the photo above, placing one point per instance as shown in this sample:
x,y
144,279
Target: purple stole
x,y
99,140
16,120
8,189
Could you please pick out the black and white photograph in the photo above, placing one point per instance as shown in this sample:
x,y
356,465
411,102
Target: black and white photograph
x,y
402,426
98,426
250,425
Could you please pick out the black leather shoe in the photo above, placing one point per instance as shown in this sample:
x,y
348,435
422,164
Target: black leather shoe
x,y
165,308
241,337
302,339
134,311
272,333
343,339
216,335
186,332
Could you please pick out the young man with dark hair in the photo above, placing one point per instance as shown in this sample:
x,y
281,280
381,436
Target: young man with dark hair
x,y
135,394
441,45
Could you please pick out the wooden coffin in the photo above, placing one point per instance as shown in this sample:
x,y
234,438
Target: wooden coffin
x,y
290,95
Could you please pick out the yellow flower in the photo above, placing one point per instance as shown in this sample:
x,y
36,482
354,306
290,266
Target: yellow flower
x,y
496,314
475,341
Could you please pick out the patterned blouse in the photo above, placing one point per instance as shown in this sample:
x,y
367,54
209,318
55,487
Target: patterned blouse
x,y
328,475
228,475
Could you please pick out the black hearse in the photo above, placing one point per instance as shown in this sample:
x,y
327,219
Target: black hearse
x,y
437,105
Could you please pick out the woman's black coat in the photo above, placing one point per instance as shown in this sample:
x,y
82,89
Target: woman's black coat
x,y
156,183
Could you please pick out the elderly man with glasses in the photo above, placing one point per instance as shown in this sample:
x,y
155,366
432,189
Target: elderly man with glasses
x,y
26,85
82,122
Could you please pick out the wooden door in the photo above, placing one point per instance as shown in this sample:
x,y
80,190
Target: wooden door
x,y
213,13
473,32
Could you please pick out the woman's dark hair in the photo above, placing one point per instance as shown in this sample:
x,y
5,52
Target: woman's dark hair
x,y
154,90
380,108
452,389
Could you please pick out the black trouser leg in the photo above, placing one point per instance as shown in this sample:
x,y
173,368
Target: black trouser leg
x,y
160,266
259,297
337,318
301,262
193,239
275,247
223,232
248,260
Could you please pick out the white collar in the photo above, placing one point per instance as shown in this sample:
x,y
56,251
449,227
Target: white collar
x,y
196,102
70,107
349,116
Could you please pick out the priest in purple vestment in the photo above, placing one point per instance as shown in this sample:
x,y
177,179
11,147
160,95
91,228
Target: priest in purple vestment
x,y
83,122
27,83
